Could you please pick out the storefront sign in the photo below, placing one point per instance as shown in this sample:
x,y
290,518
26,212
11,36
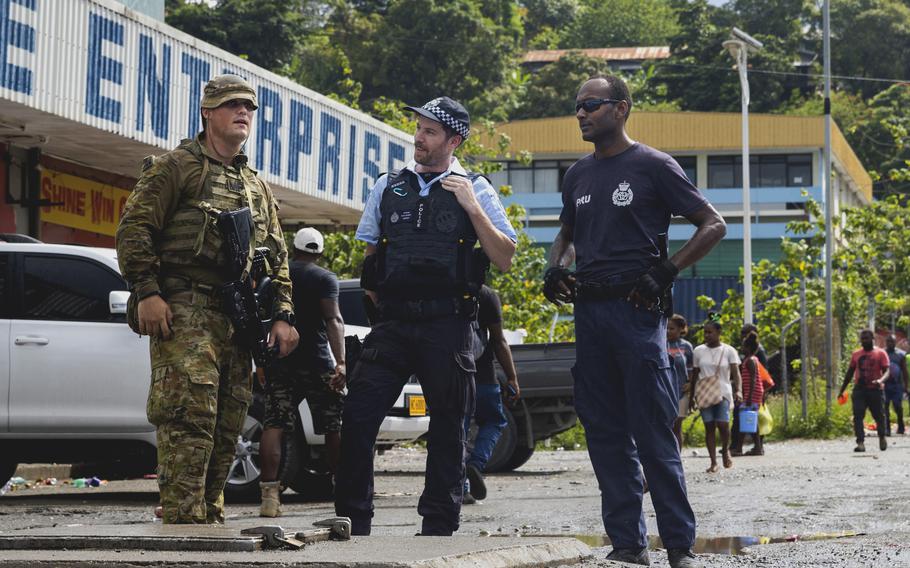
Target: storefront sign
x,y
80,203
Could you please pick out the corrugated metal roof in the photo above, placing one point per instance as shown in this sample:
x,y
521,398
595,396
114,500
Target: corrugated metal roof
x,y
606,53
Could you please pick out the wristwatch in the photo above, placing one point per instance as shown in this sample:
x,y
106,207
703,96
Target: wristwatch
x,y
285,317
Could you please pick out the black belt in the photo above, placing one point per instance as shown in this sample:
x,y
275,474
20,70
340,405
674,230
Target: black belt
x,y
593,291
419,310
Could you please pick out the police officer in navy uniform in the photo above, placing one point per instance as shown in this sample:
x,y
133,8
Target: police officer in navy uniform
x,y
423,269
617,205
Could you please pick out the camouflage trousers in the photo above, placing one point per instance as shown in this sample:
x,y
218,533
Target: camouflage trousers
x,y
291,382
198,400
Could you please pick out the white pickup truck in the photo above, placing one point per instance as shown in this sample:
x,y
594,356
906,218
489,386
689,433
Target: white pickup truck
x,y
74,378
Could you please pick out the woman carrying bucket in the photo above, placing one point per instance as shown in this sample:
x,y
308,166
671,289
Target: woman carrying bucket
x,y
753,396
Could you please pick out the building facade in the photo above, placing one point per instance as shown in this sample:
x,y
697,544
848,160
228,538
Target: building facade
x,y
88,88
786,170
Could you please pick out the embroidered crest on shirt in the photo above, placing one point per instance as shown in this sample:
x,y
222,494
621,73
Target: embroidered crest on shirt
x,y
622,195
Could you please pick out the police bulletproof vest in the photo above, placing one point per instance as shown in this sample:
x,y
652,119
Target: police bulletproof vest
x,y
425,244
191,236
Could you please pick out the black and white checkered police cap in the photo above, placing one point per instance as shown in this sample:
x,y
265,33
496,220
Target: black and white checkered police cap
x,y
446,111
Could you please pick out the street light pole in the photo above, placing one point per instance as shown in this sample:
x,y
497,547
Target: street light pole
x,y
739,46
830,364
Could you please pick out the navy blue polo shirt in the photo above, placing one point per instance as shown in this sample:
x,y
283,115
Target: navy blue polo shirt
x,y
618,205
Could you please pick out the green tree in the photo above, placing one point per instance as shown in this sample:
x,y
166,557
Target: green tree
x,y
881,138
869,38
551,91
424,48
870,266
700,75
267,32
542,19
324,67
620,23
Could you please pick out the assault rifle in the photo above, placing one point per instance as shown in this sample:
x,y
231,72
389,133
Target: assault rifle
x,y
247,298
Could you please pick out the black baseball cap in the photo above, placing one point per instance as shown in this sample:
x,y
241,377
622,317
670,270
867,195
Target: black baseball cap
x,y
446,111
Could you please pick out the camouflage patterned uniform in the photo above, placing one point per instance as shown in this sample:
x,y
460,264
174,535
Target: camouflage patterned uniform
x,y
168,244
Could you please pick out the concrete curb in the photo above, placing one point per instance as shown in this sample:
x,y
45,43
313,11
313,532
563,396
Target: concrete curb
x,y
553,553
362,552
34,471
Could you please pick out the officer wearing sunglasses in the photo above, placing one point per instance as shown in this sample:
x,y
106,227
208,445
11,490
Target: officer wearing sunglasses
x,y
617,205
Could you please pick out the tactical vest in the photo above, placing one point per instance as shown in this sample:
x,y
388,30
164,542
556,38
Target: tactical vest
x,y
425,244
191,236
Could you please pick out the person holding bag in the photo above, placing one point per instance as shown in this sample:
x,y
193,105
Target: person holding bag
x,y
754,391
717,386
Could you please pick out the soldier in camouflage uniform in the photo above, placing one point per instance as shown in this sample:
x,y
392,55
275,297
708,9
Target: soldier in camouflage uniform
x,y
169,249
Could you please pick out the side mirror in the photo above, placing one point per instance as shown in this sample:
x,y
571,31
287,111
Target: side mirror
x,y
117,301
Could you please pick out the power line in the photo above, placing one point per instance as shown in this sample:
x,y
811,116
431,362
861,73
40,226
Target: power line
x,y
786,73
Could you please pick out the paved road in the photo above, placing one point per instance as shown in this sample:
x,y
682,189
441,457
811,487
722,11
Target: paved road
x,y
799,490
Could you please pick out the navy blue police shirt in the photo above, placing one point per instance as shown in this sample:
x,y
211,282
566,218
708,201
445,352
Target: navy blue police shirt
x,y
618,205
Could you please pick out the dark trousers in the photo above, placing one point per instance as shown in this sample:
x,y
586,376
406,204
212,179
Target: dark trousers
x,y
625,396
867,399
894,399
439,353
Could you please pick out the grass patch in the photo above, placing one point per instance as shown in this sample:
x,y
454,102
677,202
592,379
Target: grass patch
x,y
816,426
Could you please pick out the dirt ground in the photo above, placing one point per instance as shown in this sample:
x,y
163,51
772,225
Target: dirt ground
x,y
798,496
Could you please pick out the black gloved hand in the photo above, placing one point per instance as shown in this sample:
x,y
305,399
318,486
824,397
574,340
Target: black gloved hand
x,y
551,280
652,284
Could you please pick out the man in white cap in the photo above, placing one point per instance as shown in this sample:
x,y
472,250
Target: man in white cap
x,y
311,372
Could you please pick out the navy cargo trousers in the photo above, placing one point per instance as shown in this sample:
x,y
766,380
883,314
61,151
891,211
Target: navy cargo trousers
x,y
438,351
626,399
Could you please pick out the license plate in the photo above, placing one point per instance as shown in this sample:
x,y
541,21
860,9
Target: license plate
x,y
417,406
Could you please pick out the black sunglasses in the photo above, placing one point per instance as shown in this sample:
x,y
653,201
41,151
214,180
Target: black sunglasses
x,y
234,104
592,105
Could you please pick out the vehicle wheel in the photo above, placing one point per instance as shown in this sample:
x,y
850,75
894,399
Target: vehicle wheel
x,y
505,447
519,457
243,477
7,469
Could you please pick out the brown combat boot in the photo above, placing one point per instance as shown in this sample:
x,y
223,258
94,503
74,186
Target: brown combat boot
x,y
271,502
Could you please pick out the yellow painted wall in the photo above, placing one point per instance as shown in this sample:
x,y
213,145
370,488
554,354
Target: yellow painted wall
x,y
691,132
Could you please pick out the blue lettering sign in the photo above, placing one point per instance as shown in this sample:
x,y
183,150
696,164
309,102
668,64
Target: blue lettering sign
x,y
351,160
301,139
268,129
372,155
19,35
158,92
198,71
396,154
329,151
101,29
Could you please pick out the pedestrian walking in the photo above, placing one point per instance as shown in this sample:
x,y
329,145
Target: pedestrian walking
x,y
172,253
489,415
617,204
896,386
315,371
869,368
423,270
717,362
680,352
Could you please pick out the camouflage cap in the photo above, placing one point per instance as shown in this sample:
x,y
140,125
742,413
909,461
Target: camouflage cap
x,y
223,88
